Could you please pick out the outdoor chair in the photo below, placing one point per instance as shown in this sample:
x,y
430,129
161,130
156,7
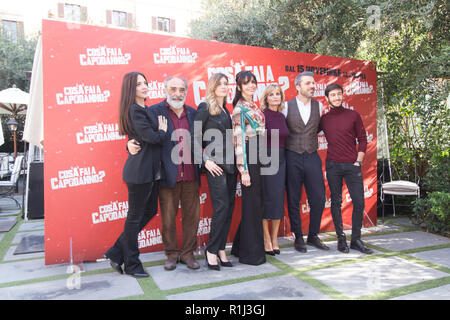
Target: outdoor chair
x,y
398,188
9,188
5,168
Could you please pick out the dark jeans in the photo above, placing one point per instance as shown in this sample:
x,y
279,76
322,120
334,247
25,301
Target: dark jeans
x,y
142,202
222,190
336,173
305,168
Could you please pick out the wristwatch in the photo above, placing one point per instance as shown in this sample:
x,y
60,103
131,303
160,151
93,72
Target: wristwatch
x,y
359,162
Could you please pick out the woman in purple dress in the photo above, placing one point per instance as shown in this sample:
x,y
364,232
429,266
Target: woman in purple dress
x,y
272,102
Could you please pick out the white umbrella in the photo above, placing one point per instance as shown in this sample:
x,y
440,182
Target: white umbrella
x,y
13,100
34,122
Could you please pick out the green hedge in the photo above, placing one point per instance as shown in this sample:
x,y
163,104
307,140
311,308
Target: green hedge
x,y
434,211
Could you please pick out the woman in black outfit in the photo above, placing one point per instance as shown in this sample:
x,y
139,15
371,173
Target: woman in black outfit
x,y
141,171
218,160
248,124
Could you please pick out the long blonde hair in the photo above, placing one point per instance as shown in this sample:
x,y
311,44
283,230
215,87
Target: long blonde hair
x,y
213,83
268,90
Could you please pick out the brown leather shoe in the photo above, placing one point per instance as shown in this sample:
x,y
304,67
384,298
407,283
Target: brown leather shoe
x,y
191,263
170,264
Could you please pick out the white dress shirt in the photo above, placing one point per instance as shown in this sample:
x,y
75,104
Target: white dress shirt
x,y
304,110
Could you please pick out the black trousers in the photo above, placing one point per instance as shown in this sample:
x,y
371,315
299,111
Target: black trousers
x,y
336,173
142,206
222,190
304,169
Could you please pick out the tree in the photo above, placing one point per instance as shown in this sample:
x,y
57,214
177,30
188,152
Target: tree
x,y
411,48
309,26
16,59
408,41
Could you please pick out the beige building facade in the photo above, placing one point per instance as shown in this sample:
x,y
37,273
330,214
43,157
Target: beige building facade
x,y
171,17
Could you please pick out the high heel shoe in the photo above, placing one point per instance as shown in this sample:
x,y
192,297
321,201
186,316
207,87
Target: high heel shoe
x,y
270,253
225,263
211,266
276,251
114,265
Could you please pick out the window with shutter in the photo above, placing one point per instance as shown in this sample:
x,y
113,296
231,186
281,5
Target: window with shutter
x,y
163,24
72,12
11,29
119,19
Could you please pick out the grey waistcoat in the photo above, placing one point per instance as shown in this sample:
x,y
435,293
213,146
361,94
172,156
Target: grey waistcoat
x,y
302,137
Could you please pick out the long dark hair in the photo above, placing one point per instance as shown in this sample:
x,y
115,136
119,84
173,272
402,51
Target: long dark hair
x,y
127,98
242,77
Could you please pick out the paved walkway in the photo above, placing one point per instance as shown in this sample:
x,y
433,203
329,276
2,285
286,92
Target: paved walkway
x,y
408,264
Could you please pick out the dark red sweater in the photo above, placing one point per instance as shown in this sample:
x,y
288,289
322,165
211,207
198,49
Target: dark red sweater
x,y
342,127
186,171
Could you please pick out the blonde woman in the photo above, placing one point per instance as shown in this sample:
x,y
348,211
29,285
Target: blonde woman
x,y
272,103
218,162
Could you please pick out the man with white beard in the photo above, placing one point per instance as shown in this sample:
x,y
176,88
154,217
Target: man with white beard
x,y
180,178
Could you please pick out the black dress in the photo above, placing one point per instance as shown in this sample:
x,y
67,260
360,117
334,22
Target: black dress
x,y
275,184
248,242
274,187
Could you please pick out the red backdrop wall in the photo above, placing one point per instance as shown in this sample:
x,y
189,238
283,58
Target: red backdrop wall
x,y
85,197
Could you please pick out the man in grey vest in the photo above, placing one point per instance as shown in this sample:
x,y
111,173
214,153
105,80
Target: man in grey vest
x,y
303,164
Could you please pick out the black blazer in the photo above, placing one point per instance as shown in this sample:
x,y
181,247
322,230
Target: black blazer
x,y
169,170
222,123
145,166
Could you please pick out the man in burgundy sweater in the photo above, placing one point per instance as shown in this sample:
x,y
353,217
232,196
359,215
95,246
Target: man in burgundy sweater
x,y
342,127
180,178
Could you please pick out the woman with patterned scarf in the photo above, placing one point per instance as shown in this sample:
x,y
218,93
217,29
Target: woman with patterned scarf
x,y
248,125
